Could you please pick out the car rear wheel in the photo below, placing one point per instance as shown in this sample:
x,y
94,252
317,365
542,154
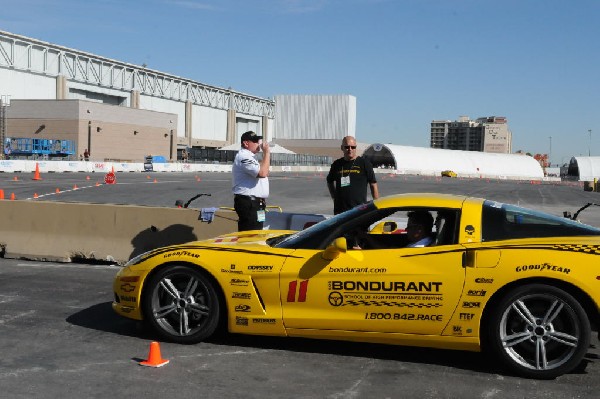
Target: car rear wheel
x,y
539,331
182,304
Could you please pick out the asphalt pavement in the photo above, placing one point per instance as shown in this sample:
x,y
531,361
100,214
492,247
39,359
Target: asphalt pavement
x,y
60,338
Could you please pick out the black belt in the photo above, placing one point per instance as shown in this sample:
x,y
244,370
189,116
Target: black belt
x,y
250,197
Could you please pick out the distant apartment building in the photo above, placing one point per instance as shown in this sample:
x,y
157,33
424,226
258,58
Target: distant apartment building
x,y
487,134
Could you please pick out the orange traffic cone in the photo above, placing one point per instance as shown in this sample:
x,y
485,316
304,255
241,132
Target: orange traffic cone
x,y
75,187
36,175
87,178
35,195
97,184
1,194
57,191
154,180
15,178
12,196
154,357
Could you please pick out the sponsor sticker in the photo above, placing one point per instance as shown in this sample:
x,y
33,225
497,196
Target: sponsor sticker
x,y
264,321
543,267
260,268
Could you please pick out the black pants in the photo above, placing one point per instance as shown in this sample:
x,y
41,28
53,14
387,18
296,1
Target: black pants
x,y
246,208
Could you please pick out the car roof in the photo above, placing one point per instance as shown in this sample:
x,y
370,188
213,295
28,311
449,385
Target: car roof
x,y
424,199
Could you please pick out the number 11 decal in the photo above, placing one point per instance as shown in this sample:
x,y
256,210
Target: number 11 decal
x,y
291,297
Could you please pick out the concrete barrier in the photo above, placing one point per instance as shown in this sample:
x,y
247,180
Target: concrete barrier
x,y
66,232
55,231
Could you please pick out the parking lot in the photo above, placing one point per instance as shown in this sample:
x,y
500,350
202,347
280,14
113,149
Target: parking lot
x,y
60,337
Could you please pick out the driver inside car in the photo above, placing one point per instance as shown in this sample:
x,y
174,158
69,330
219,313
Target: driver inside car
x,y
419,229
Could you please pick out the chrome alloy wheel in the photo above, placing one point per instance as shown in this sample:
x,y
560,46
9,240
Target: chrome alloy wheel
x,y
540,331
182,304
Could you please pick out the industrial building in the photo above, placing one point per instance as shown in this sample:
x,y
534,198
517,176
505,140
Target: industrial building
x,y
115,109
487,134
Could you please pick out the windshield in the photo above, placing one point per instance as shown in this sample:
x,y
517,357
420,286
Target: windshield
x,y
317,235
504,222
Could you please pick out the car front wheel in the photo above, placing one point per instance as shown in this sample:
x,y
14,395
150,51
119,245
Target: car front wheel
x,y
539,331
182,304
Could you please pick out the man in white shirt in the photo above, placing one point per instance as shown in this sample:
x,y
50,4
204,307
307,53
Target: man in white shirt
x,y
418,229
251,182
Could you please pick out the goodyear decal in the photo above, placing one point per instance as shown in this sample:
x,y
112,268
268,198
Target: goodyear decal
x,y
161,251
181,253
544,267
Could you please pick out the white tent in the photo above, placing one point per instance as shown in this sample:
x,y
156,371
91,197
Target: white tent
x,y
432,161
275,148
586,168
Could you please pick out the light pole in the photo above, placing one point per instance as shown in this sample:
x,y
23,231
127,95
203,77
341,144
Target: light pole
x,y
590,146
550,152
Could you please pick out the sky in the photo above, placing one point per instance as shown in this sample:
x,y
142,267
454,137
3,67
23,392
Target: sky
x,y
407,62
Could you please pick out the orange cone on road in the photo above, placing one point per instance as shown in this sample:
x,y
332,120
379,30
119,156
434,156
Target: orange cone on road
x,y
75,187
12,196
1,194
154,180
36,175
15,178
154,357
35,195
57,190
87,178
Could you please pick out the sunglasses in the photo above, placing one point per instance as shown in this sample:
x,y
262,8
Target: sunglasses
x,y
350,147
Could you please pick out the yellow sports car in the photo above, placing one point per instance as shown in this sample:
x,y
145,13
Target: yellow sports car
x,y
520,284
449,173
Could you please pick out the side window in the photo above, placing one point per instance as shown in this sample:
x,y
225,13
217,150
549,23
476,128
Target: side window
x,y
388,229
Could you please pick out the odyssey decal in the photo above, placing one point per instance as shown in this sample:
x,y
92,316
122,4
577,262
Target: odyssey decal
x,y
260,268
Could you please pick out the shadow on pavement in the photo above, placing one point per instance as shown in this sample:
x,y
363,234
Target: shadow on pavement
x,y
101,317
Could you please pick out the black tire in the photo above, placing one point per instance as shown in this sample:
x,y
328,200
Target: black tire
x,y
181,303
538,331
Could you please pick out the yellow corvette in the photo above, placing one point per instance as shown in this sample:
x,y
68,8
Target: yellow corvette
x,y
522,285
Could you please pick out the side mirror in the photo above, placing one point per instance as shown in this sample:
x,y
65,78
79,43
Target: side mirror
x,y
385,227
334,250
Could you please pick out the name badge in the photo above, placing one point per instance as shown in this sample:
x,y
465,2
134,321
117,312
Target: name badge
x,y
260,216
345,181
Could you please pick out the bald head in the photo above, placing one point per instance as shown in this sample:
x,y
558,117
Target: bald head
x,y
349,148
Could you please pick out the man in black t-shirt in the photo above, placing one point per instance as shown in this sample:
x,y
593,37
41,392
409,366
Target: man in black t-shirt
x,y
348,178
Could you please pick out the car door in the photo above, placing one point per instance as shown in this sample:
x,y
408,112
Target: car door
x,y
402,290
